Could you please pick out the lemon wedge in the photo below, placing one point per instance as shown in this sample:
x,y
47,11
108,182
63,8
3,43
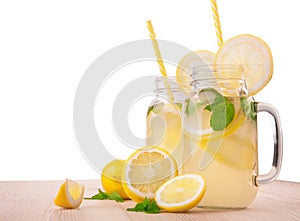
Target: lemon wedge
x,y
249,53
70,195
181,193
146,170
190,61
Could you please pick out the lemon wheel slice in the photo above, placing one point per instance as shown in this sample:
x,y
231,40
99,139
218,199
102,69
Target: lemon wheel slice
x,y
181,193
252,55
70,195
190,61
146,170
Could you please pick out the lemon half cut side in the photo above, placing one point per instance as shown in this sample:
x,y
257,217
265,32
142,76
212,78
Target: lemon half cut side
x,y
181,193
146,170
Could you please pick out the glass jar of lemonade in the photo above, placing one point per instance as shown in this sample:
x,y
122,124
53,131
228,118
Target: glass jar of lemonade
x,y
220,138
164,118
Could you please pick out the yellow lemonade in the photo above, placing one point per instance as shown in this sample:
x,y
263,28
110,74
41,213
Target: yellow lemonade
x,y
226,158
164,128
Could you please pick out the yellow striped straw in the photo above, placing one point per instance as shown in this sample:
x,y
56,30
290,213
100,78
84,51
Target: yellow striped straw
x,y
217,21
156,49
159,59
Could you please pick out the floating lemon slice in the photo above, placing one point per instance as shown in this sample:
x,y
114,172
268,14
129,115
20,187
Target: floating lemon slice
x,y
70,195
190,61
251,56
181,193
146,170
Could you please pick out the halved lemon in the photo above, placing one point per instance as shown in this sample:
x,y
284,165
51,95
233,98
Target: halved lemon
x,y
181,193
70,195
253,58
190,61
146,170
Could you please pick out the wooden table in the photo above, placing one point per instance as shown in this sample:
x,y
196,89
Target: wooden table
x,y
33,200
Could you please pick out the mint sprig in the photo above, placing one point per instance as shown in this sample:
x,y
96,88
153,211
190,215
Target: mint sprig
x,y
156,108
249,108
106,196
222,115
222,110
147,206
150,109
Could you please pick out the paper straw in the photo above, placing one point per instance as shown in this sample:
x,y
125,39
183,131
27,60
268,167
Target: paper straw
x,y
217,22
159,59
156,49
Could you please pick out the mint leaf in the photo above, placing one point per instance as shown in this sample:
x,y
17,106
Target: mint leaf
x,y
150,109
138,208
218,99
156,108
248,108
218,117
222,112
187,109
106,196
222,109
208,107
115,196
153,208
179,105
147,206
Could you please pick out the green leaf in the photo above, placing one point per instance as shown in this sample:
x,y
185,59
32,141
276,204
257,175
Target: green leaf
x,y
150,109
106,196
153,207
187,110
248,108
147,206
115,196
179,105
230,111
218,99
156,108
218,117
222,115
208,107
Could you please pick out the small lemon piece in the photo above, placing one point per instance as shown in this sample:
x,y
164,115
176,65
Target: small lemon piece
x,y
181,193
70,195
111,178
253,58
146,170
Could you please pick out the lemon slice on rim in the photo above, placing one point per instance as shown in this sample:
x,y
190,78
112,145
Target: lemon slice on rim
x,y
251,55
146,170
181,193
70,195
190,61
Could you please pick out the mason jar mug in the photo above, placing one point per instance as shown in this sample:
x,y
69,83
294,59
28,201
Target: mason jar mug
x,y
219,120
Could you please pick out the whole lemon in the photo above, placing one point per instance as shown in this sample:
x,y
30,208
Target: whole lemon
x,y
111,177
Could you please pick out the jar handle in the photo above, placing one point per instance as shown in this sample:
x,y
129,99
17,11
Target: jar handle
x,y
278,145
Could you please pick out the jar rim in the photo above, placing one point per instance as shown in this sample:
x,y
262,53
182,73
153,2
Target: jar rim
x,y
206,71
170,82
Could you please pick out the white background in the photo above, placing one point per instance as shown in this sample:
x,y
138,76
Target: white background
x,y
46,46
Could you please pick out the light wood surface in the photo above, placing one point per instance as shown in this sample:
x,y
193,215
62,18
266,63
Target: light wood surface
x,y
33,200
